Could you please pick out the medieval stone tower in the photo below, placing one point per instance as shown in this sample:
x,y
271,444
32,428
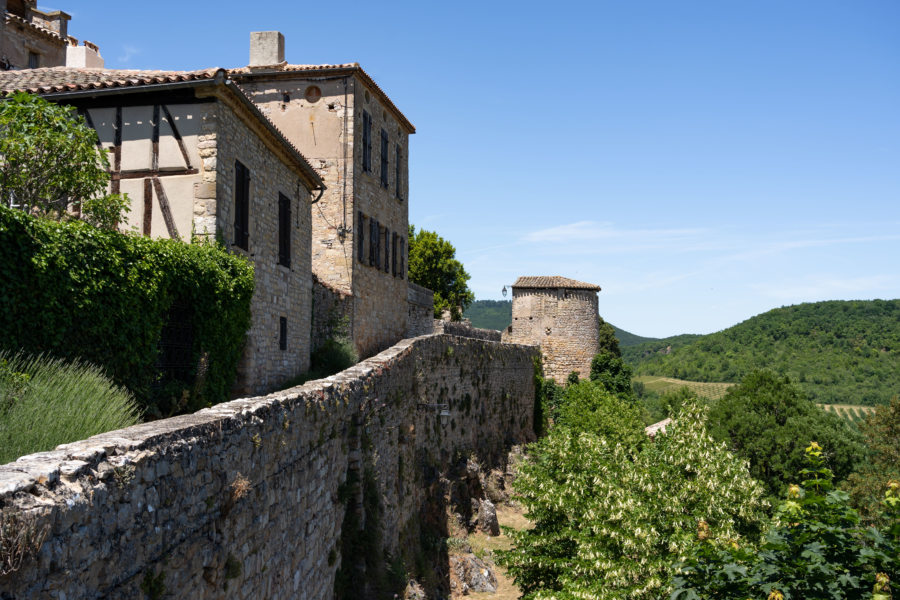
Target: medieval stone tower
x,y
560,316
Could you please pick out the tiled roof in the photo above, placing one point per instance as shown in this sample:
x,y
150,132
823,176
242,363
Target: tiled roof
x,y
51,80
313,70
59,80
14,18
554,281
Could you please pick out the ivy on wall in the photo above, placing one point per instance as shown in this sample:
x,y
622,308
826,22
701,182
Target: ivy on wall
x,y
72,290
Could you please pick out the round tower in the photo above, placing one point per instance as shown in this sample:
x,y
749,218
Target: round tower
x,y
560,316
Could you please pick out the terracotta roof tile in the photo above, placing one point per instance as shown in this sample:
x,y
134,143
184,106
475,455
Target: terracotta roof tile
x,y
14,18
312,70
554,281
50,80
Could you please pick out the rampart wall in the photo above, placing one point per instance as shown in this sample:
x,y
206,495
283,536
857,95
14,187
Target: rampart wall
x,y
248,499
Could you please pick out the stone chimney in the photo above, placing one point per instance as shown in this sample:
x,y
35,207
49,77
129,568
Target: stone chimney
x,y
266,48
87,56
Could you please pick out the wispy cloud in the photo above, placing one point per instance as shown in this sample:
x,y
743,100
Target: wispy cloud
x,y
128,52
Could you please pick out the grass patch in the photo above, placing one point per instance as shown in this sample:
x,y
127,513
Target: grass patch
x,y
46,402
661,385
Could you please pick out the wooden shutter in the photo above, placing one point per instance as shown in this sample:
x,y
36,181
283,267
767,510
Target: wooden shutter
x,y
361,236
384,158
378,245
373,241
367,142
282,333
387,250
394,254
284,230
397,172
241,206
402,258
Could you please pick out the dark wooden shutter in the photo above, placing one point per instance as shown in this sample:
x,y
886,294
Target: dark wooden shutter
x,y
394,254
373,241
241,206
282,333
387,250
367,142
402,258
384,158
397,172
284,230
361,236
378,245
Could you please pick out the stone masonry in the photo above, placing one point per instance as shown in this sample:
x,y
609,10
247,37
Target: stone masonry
x,y
560,316
243,500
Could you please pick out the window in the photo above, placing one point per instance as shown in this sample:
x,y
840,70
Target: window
x,y
397,172
394,254
284,230
387,250
402,270
361,236
378,235
373,241
282,333
367,142
241,206
34,60
384,159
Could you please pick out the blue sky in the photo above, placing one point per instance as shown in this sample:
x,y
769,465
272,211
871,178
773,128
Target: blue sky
x,y
702,161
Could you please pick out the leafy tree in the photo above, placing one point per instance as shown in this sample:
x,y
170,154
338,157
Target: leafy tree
x,y
611,518
608,341
433,264
589,407
612,374
766,419
816,550
881,431
50,163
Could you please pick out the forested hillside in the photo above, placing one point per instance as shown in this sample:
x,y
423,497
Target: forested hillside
x,y
837,351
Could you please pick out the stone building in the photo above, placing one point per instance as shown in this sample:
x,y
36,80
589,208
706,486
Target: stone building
x,y
358,141
32,38
560,316
198,159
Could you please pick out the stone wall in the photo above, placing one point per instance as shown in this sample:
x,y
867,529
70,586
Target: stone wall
x,y
281,291
563,322
465,329
247,499
420,310
21,36
332,315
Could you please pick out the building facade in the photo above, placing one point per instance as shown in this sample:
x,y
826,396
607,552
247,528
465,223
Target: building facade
x,y
31,38
560,315
198,160
358,141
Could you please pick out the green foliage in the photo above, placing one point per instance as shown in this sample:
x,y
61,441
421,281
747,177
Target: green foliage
x,y
74,291
627,338
589,407
490,314
645,351
839,352
608,342
45,402
612,374
611,518
768,421
815,550
50,162
547,398
658,406
433,264
881,431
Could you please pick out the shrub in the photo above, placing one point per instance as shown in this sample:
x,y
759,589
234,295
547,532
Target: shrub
x,y
589,407
73,291
46,402
881,431
765,419
611,519
816,549
612,373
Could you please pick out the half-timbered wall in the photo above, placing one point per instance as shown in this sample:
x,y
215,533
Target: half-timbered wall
x,y
176,162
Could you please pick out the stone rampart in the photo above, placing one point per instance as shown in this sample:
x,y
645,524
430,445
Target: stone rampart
x,y
465,329
248,499
420,307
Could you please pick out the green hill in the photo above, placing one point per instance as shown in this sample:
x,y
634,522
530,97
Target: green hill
x,y
629,339
839,352
490,314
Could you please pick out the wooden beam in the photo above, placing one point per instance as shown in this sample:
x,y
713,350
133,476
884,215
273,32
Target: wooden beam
x,y
142,173
148,206
154,159
166,209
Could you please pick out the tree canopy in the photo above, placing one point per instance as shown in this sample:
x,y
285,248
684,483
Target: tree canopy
x,y
881,431
51,162
433,264
769,422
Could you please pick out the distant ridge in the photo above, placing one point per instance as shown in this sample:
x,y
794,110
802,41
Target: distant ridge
x,y
839,352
